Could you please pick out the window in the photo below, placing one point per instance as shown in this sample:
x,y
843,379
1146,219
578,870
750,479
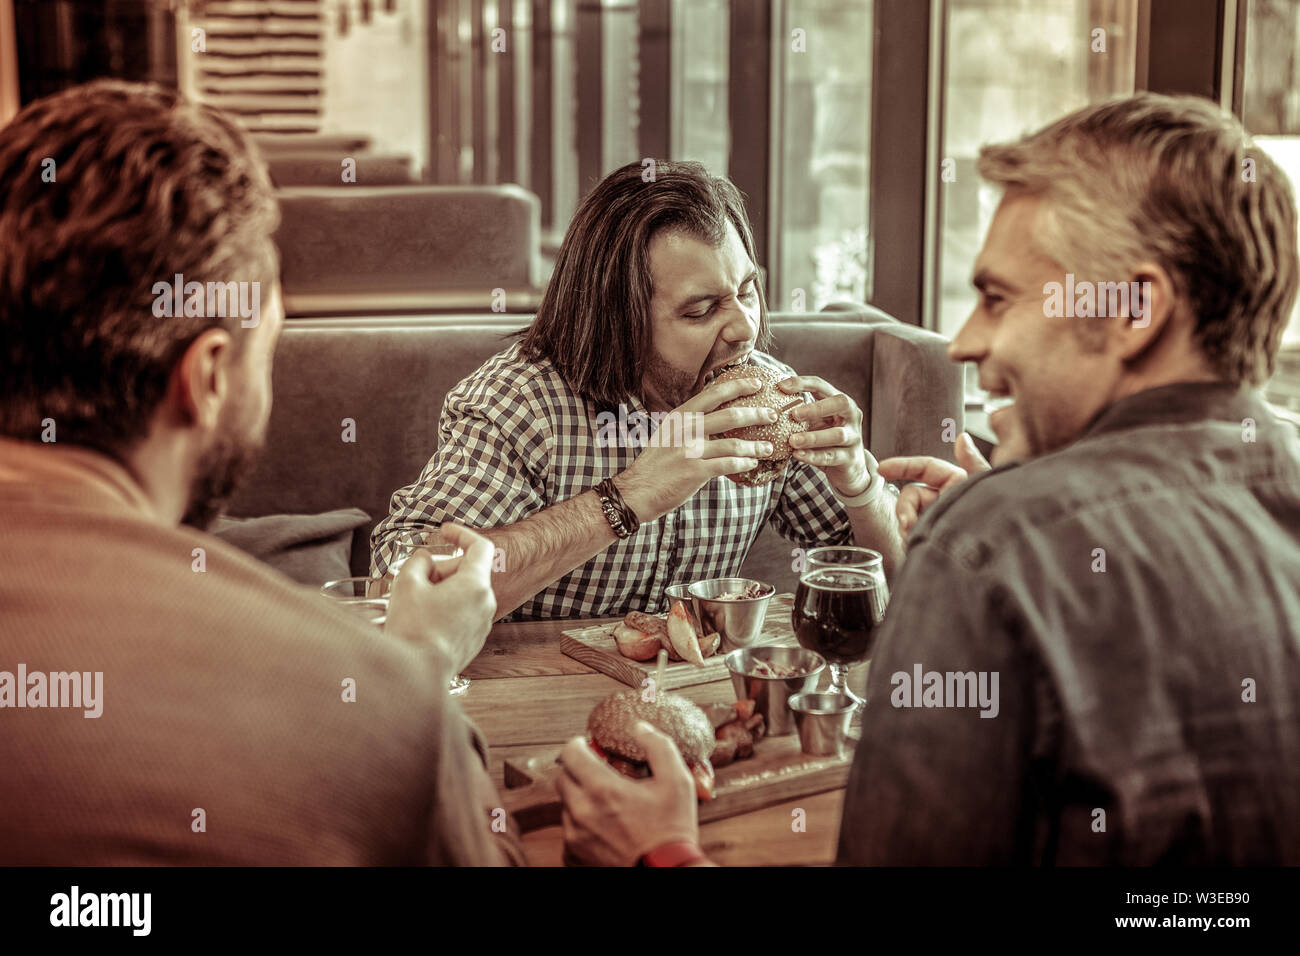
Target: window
x,y
822,148
700,77
1271,105
812,205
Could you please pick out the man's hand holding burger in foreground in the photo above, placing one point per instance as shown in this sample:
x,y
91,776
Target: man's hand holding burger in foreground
x,y
612,820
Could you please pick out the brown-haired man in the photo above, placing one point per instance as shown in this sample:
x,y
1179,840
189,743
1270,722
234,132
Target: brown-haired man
x,y
655,288
163,698
1133,585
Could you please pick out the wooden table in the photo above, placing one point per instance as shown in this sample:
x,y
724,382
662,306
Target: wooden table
x,y
527,695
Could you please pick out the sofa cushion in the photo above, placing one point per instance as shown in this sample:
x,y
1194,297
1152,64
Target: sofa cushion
x,y
356,410
310,548
392,240
323,169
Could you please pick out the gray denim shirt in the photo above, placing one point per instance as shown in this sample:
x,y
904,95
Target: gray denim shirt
x,y
1137,595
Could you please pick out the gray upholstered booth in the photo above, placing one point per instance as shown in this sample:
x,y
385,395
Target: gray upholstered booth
x,y
390,376
327,169
346,144
408,249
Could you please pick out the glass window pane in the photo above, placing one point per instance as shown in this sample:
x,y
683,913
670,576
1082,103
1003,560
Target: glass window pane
x,y
1010,67
565,191
701,68
823,141
1271,103
619,77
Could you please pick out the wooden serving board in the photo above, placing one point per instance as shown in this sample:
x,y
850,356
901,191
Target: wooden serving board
x,y
778,771
595,646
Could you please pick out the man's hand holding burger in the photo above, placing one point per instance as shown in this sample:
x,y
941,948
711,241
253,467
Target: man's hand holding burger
x,y
681,460
612,820
833,443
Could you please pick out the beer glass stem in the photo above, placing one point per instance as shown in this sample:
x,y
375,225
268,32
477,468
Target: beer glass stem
x,y
838,674
839,682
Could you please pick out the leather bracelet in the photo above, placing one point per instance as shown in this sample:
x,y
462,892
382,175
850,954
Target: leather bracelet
x,y
870,494
622,519
678,853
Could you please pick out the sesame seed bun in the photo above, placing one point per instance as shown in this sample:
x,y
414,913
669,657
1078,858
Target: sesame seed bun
x,y
610,725
778,432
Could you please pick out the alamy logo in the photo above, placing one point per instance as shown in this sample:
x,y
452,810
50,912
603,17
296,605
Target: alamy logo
x,y
215,300
80,689
102,909
946,689
1100,300
630,429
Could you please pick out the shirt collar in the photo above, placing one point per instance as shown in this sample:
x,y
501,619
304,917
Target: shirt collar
x,y
1182,403
40,473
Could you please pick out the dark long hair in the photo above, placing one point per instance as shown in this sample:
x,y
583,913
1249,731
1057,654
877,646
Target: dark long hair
x,y
594,321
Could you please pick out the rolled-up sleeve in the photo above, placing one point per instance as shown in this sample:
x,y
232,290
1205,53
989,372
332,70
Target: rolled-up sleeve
x,y
942,785
489,469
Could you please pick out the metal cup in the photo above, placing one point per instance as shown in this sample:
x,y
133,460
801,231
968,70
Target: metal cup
x,y
772,694
823,722
682,592
738,621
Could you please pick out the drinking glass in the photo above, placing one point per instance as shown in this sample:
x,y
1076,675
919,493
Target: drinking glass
x,y
839,604
363,597
440,549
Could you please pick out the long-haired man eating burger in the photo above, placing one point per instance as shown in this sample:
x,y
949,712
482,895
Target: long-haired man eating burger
x,y
656,291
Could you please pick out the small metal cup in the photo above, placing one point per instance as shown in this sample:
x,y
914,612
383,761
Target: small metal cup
x,y
823,722
682,592
772,694
738,621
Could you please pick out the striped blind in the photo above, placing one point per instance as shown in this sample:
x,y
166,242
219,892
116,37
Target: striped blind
x,y
263,62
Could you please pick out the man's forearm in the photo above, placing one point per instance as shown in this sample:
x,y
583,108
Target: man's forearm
x,y
545,546
875,526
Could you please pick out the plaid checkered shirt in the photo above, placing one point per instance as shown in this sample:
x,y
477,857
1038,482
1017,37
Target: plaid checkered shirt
x,y
514,439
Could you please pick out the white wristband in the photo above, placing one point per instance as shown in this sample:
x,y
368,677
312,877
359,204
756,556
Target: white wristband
x,y
871,493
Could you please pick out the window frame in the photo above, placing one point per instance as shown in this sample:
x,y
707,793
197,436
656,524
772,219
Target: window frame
x,y
1183,46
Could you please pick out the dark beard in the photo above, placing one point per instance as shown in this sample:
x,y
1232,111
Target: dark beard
x,y
221,470
670,383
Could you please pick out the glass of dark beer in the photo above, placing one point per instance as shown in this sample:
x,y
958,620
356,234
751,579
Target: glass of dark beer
x,y
838,607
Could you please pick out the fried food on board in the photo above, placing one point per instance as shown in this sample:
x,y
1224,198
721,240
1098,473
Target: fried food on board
x,y
640,635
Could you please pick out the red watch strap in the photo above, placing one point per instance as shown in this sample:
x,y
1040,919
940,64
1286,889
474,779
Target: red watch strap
x,y
678,853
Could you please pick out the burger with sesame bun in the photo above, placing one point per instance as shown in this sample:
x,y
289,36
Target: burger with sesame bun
x,y
778,432
611,724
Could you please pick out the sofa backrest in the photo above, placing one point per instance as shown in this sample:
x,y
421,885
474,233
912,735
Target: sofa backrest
x,y
345,144
323,169
380,248
389,376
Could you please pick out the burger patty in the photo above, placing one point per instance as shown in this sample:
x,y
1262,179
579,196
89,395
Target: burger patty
x,y
701,770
